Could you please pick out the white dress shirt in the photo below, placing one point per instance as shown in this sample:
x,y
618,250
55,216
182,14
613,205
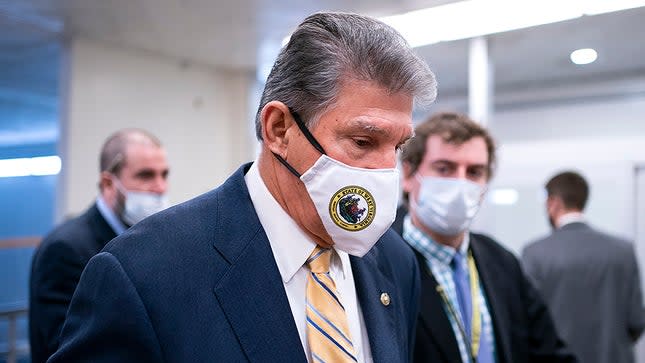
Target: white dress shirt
x,y
571,217
291,247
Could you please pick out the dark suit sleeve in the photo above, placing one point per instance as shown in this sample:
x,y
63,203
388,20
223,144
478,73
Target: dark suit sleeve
x,y
545,346
107,321
531,268
54,277
413,314
636,314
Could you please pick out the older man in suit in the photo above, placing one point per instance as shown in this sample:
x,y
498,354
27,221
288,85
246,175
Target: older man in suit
x,y
476,303
590,279
291,259
132,184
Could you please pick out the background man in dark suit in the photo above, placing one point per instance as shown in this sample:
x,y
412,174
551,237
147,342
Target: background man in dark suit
x,y
589,279
132,182
226,276
476,304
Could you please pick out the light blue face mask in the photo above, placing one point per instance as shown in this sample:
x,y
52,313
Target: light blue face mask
x,y
447,206
140,205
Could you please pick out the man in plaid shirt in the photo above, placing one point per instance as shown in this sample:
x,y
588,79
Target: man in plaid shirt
x,y
476,303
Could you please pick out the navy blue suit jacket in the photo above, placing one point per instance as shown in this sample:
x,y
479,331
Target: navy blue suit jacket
x,y
55,270
198,283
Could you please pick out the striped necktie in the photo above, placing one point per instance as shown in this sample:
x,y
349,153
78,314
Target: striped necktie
x,y
327,329
461,277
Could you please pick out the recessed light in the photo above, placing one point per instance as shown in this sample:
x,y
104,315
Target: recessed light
x,y
504,196
584,56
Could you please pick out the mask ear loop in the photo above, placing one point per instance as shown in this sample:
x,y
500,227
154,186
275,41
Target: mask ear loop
x,y
118,184
289,167
483,193
312,140
306,132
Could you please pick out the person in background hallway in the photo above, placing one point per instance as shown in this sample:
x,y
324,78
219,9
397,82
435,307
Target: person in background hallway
x,y
132,184
292,258
589,279
476,303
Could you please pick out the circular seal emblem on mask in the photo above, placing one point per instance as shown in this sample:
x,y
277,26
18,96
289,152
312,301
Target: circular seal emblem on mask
x,y
352,208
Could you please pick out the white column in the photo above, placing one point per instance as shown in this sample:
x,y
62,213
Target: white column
x,y
480,81
199,113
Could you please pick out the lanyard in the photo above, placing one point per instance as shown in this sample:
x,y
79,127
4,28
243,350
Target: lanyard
x,y
473,342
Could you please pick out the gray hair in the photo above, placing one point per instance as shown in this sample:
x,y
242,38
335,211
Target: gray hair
x,y
113,152
328,48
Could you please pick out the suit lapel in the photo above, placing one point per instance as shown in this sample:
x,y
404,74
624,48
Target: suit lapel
x,y
494,288
102,230
433,316
251,292
379,319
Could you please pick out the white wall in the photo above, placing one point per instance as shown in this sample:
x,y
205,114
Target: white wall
x,y
600,137
199,113
611,118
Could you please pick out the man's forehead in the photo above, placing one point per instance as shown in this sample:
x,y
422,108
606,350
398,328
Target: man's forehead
x,y
140,155
473,150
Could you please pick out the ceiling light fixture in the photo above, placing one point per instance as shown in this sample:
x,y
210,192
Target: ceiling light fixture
x,y
472,18
37,166
584,56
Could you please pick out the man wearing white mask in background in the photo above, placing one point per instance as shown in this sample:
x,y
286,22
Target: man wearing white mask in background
x,y
447,166
132,186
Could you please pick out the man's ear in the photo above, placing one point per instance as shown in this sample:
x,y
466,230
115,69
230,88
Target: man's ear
x,y
554,204
105,180
276,121
408,176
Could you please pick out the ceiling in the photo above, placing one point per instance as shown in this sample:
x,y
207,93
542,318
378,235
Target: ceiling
x,y
247,33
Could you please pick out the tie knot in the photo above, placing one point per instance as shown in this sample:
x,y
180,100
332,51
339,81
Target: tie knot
x,y
319,260
457,261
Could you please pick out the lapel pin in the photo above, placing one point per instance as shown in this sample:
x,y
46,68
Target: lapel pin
x,y
385,299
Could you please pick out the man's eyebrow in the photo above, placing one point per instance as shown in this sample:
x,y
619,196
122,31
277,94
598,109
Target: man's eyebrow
x,y
477,166
450,162
368,126
145,172
443,161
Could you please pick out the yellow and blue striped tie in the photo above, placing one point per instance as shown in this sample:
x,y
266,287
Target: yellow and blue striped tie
x,y
327,329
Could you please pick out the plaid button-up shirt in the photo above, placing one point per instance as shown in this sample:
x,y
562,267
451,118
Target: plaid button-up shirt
x,y
438,258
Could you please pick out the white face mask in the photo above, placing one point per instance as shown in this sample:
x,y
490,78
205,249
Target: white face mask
x,y
140,205
356,205
447,206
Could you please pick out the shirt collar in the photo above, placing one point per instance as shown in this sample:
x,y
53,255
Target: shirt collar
x,y
428,247
110,217
291,246
569,218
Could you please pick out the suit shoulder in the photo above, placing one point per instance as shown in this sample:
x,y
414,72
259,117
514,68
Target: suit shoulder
x,y
185,222
487,241
535,245
392,249
171,248
73,233
192,231
491,246
617,241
